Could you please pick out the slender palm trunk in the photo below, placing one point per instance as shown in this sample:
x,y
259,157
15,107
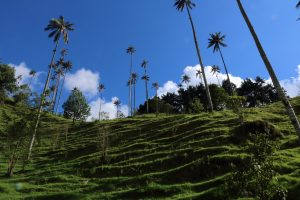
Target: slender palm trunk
x,y
147,103
218,80
41,102
156,103
130,88
134,85
55,93
210,106
100,107
282,96
225,67
62,86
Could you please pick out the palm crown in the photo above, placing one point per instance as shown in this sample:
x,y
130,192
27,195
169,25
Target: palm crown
x,y
181,4
186,79
144,64
101,88
32,73
215,69
67,65
130,50
216,40
145,77
298,4
59,27
117,102
155,85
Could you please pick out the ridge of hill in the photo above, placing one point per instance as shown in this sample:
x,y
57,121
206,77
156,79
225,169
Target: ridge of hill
x,y
169,157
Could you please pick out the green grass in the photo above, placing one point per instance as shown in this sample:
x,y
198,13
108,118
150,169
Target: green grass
x,y
170,157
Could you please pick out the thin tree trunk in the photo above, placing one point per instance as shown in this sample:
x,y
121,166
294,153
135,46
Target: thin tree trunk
x,y
41,102
55,93
210,106
156,104
134,85
130,87
282,96
58,101
218,80
100,107
146,84
230,86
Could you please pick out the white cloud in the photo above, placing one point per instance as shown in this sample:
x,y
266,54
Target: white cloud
x,y
292,85
169,86
108,107
85,80
191,71
23,71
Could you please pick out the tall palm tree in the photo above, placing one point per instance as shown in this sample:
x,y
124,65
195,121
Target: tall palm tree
x,y
32,73
130,50
188,4
134,81
215,71
57,27
216,41
101,88
186,79
145,77
58,72
67,66
117,104
282,96
199,74
156,86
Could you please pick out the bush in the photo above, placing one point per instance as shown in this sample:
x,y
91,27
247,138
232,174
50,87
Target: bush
x,y
247,129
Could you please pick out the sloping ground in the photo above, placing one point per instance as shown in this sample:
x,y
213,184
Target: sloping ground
x,y
170,157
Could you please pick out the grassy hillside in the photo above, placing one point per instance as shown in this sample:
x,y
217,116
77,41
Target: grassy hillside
x,y
170,157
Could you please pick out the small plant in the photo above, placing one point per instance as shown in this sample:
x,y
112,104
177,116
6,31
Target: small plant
x,y
102,139
256,177
236,103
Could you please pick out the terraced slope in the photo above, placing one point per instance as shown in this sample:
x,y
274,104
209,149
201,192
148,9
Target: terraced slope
x,y
170,157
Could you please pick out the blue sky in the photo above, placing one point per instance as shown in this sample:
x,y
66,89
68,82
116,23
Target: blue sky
x,y
161,34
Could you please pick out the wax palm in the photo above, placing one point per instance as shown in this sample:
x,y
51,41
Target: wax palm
x,y
32,73
199,74
58,72
145,77
67,66
188,4
282,96
156,86
117,104
101,89
57,27
216,41
215,71
130,50
186,79
134,81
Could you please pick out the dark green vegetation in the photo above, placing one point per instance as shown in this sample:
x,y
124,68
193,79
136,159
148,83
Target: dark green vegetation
x,y
173,157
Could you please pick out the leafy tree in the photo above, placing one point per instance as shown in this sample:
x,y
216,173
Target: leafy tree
x,y
8,82
16,142
216,41
57,27
21,96
76,107
197,106
257,92
281,94
256,177
229,87
145,77
236,103
219,96
130,50
188,4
